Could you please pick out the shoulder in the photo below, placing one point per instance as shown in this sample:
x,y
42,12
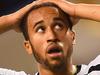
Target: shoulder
x,y
80,69
4,71
93,67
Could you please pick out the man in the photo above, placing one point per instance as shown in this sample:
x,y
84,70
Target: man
x,y
50,44
49,37
57,52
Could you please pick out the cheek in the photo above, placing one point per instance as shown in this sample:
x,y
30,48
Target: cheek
x,y
38,44
67,45
69,38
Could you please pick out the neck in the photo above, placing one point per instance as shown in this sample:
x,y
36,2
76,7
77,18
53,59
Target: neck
x,y
68,70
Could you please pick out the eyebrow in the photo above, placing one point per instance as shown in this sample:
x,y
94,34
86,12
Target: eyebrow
x,y
41,21
55,19
58,19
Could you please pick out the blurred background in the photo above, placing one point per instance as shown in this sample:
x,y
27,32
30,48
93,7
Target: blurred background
x,y
13,55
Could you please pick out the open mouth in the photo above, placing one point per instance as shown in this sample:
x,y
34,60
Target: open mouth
x,y
54,50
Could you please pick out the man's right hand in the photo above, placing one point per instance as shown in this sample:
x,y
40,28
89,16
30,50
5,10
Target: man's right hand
x,y
12,21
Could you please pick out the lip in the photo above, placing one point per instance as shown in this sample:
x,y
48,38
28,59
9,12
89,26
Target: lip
x,y
54,50
55,55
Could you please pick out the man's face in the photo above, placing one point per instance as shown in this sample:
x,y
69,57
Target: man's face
x,y
49,37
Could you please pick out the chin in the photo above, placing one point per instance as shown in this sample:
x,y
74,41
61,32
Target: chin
x,y
55,65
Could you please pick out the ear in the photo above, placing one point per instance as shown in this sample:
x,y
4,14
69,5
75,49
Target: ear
x,y
28,47
73,37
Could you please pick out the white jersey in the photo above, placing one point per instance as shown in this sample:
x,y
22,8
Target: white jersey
x,y
93,68
11,72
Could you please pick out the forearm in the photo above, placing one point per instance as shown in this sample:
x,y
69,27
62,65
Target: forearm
x,y
85,11
5,24
88,11
12,21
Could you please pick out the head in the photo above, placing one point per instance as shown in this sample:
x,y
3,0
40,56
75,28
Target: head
x,y
49,36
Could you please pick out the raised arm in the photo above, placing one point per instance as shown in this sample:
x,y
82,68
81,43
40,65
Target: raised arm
x,y
86,11
12,21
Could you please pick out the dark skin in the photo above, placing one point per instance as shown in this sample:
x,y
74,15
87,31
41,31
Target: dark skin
x,y
48,32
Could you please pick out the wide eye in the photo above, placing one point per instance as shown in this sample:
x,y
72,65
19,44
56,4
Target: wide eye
x,y
40,29
59,26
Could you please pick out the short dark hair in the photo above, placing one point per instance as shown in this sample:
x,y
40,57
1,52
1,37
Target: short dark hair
x,y
23,25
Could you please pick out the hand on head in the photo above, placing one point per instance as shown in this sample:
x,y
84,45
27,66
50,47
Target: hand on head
x,y
12,21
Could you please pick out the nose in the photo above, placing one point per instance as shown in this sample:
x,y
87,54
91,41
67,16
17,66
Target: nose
x,y
52,37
